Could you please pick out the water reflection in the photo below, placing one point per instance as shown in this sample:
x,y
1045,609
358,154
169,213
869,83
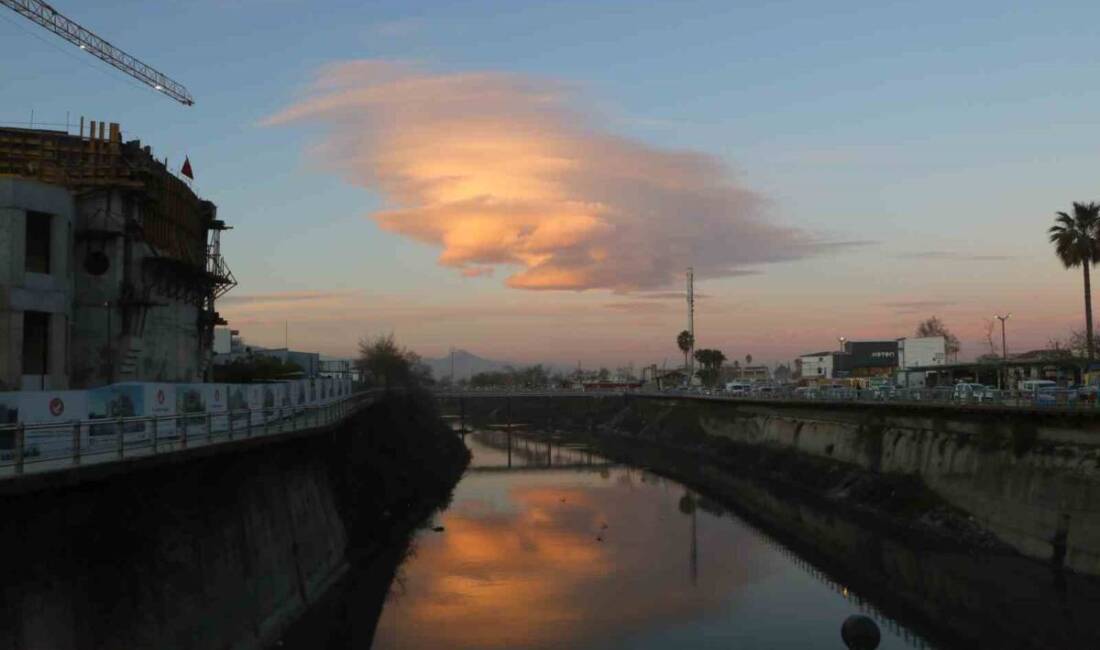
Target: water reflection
x,y
599,559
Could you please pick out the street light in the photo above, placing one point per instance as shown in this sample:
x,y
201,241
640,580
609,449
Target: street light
x,y
1004,349
842,341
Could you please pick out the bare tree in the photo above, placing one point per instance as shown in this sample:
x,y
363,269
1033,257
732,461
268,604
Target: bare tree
x,y
990,325
935,327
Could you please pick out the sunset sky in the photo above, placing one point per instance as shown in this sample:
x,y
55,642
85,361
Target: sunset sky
x,y
528,181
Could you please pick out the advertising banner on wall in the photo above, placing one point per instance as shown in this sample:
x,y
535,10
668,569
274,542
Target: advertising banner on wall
x,y
282,399
238,404
217,403
109,403
58,408
160,401
256,402
299,390
191,402
269,412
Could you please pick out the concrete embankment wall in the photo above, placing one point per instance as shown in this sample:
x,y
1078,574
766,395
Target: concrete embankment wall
x,y
1031,477
222,552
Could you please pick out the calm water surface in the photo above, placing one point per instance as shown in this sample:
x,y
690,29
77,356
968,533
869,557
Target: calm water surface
x,y
588,555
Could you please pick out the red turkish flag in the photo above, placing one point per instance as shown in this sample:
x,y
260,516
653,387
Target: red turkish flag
x,y
186,169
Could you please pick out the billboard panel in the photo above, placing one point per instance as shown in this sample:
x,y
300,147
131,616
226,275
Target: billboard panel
x,y
238,404
255,394
109,403
160,401
217,403
191,403
59,408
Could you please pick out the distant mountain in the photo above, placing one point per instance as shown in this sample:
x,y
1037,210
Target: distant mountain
x,y
467,364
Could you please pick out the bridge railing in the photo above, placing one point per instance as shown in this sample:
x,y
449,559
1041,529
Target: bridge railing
x,y
1060,398
33,448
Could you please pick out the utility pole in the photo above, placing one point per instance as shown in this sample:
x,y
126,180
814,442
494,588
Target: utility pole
x,y
1004,351
691,322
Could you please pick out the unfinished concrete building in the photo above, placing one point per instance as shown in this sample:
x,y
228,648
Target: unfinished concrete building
x,y
109,264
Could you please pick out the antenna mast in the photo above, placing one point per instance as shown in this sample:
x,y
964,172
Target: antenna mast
x,y
691,321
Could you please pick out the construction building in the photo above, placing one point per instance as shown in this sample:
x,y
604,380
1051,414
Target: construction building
x,y
109,264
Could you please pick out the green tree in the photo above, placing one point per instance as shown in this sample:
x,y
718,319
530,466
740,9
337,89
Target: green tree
x,y
748,359
711,362
256,368
1075,243
382,361
685,341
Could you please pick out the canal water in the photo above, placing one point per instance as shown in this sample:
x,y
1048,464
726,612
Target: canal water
x,y
550,546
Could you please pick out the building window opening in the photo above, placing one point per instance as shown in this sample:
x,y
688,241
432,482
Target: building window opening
x,y
38,242
36,343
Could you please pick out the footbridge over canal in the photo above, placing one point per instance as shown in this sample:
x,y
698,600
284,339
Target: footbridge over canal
x,y
1030,474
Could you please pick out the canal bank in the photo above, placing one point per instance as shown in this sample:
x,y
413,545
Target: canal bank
x,y
550,542
1031,479
220,552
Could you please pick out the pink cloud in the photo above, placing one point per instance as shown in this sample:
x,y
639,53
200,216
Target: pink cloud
x,y
501,170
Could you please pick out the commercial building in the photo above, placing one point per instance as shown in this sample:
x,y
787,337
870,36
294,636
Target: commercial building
x,y
749,373
856,359
922,351
866,359
230,347
817,365
110,265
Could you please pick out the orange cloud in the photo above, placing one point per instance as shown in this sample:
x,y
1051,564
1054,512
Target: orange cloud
x,y
502,170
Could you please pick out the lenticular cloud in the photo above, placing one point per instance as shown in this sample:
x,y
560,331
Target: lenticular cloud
x,y
504,171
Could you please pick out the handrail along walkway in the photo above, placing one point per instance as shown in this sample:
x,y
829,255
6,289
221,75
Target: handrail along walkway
x,y
39,448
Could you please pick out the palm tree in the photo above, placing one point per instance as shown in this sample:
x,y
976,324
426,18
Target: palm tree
x,y
1075,242
685,341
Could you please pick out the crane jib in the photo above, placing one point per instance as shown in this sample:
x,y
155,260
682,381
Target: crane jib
x,y
48,17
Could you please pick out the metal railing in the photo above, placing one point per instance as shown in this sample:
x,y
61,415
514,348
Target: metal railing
x,y
27,448
1063,398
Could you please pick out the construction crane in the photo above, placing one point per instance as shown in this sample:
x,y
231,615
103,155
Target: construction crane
x,y
48,17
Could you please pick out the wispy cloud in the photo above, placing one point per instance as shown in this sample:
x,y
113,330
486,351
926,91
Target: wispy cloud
x,y
950,256
639,307
501,170
279,297
915,306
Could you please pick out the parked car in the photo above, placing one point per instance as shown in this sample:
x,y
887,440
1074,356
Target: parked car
x,y
806,392
973,393
738,388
